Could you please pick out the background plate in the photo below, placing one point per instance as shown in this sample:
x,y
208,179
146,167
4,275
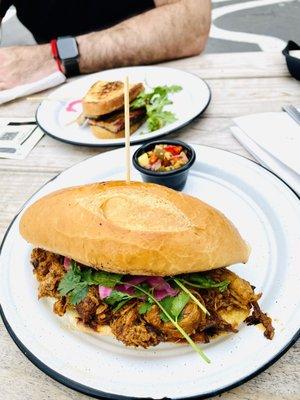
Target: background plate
x,y
267,214
54,119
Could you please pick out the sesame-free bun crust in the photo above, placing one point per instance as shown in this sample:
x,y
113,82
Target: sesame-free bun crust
x,y
105,97
133,228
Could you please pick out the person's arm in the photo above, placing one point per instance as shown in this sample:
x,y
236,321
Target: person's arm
x,y
174,29
179,28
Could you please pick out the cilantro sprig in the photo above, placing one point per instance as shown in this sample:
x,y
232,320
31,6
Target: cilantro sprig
x,y
76,282
154,102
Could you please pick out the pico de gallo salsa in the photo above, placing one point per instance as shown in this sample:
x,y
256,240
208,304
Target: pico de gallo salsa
x,y
164,158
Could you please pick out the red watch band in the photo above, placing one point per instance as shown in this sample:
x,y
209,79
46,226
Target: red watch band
x,y
53,44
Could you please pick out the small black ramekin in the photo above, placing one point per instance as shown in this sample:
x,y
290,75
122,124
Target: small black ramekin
x,y
173,179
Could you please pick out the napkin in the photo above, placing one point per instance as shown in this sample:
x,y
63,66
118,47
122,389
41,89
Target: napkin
x,y
267,160
50,81
276,133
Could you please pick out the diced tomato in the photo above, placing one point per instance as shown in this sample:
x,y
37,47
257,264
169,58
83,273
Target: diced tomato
x,y
173,149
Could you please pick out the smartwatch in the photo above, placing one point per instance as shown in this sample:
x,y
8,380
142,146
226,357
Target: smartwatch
x,y
68,54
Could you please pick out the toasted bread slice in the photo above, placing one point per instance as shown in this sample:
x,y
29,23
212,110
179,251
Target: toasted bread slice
x,y
103,133
105,97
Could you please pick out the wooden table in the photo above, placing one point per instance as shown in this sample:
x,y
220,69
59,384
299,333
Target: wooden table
x,y
241,83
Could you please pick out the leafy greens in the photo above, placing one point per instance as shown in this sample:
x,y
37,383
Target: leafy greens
x,y
203,282
154,102
76,281
117,299
174,306
175,323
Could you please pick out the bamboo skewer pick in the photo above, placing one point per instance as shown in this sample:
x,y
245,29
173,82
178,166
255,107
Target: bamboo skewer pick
x,y
127,128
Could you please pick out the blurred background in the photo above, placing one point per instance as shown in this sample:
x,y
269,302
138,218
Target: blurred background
x,y
237,26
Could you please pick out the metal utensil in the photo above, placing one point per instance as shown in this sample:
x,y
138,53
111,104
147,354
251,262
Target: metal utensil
x,y
293,112
20,123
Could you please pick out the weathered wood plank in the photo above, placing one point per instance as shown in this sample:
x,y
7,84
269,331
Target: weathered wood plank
x,y
234,65
54,156
235,97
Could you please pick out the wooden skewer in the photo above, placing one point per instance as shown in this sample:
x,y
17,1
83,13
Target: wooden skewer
x,y
127,128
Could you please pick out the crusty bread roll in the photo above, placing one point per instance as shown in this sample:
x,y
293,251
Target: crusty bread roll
x,y
105,97
103,133
137,228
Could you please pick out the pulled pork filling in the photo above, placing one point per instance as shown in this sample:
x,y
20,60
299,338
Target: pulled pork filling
x,y
148,328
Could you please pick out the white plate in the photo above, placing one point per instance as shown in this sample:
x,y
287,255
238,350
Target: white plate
x,y
266,212
54,119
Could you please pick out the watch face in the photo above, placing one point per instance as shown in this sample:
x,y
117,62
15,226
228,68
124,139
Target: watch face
x,y
67,48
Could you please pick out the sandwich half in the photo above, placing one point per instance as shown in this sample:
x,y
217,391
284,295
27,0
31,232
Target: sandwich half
x,y
142,262
103,109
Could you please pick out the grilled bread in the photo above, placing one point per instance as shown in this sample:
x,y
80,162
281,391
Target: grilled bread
x,y
105,97
103,133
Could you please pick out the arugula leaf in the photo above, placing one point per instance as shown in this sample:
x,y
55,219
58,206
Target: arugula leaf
x,y
139,102
190,294
204,282
157,120
145,307
167,303
174,305
174,88
177,326
154,102
178,304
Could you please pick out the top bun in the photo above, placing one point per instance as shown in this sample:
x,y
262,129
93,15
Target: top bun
x,y
133,228
105,97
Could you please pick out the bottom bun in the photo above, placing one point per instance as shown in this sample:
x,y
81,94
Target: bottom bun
x,y
233,317
103,133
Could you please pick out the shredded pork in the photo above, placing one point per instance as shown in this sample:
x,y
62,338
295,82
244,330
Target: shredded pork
x,y
148,329
258,317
